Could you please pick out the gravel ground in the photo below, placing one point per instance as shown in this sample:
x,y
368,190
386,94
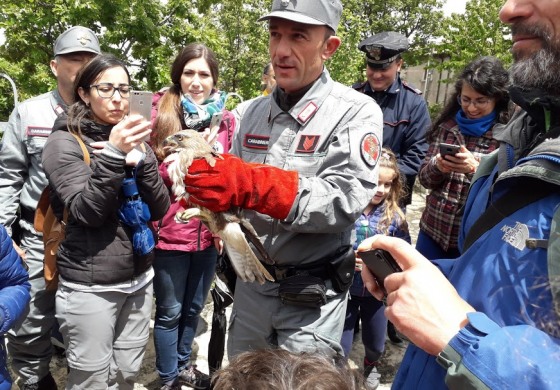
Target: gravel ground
x,y
148,378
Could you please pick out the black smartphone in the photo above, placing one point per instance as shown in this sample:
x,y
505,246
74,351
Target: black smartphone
x,y
448,149
381,264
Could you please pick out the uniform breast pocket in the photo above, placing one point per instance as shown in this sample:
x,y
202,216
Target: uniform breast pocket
x,y
34,146
306,165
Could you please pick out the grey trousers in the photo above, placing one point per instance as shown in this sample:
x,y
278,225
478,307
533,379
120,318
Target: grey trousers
x,y
262,321
105,334
29,342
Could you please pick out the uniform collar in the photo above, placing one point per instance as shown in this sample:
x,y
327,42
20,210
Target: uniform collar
x,y
394,88
310,103
58,105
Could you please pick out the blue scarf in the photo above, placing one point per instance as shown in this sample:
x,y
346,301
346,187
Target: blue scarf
x,y
197,116
474,127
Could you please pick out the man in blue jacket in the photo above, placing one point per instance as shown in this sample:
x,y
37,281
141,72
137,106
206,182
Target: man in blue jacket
x,y
405,113
491,318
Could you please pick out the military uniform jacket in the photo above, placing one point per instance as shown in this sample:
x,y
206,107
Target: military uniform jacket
x,y
331,137
405,122
21,172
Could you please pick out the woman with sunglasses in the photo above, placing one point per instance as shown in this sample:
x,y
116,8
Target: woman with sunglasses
x,y
104,296
480,101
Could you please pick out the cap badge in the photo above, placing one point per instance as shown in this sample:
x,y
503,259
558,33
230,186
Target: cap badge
x,y
374,51
83,39
285,3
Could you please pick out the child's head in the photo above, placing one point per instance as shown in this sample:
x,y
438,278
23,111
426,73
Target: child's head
x,y
389,183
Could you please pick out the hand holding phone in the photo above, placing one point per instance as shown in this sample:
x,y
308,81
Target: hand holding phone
x,y
381,264
448,149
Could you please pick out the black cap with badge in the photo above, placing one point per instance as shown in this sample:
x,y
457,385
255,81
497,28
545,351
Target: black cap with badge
x,y
383,48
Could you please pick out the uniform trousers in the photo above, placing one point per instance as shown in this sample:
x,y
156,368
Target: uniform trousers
x,y
105,335
260,320
29,342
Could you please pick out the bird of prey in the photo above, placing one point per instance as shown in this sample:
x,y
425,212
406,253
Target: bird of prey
x,y
230,226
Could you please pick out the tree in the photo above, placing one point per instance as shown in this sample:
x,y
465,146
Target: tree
x,y
478,32
415,19
147,34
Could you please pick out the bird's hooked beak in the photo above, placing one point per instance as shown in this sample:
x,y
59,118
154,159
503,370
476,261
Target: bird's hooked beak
x,y
171,143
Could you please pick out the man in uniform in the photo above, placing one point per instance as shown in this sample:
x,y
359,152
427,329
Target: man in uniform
x,y
405,113
313,145
21,182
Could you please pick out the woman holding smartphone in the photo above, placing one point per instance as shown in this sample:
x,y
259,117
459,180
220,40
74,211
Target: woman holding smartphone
x,y
480,101
104,296
186,254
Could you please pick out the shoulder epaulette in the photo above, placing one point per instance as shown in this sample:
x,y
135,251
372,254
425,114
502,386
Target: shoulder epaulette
x,y
359,86
411,88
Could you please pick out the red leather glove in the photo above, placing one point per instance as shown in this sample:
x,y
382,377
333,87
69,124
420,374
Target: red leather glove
x,y
233,182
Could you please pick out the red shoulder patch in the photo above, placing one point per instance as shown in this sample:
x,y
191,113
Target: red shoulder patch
x,y
370,149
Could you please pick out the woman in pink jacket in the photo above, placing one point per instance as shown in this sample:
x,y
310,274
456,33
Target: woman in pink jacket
x,y
186,254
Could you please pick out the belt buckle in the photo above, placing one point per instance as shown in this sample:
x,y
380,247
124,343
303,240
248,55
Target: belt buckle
x,y
283,273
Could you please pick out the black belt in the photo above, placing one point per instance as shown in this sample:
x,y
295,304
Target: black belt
x,y
27,214
282,272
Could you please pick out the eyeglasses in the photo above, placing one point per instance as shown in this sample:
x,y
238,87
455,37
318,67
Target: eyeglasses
x,y
107,90
477,103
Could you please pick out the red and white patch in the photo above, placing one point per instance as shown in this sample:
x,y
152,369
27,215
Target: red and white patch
x,y
307,112
36,131
371,149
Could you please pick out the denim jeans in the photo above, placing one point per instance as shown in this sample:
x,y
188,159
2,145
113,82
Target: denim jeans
x,y
374,326
181,285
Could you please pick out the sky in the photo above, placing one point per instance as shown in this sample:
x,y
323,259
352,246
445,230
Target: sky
x,y
454,6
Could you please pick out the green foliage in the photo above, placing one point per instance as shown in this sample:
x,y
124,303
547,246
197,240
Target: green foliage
x,y
435,109
147,34
476,33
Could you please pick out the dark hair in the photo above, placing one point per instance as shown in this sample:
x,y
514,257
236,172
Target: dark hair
x,y
169,119
487,76
86,77
278,369
267,67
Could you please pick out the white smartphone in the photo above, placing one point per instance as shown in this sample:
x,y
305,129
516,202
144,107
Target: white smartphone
x,y
140,102
216,119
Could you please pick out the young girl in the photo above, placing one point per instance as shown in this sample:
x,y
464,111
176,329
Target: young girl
x,y
382,216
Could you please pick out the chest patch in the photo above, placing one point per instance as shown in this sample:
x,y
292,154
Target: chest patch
x,y
256,141
308,143
370,149
516,236
35,131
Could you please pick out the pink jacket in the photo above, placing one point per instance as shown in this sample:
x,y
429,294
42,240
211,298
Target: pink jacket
x,y
194,235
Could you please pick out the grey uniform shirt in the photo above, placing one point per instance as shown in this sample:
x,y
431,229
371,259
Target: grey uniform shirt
x,y
21,172
332,137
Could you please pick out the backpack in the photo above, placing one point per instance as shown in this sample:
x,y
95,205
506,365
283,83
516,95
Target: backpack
x,y
52,228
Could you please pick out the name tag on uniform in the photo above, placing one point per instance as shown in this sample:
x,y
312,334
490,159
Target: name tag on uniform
x,y
256,141
35,131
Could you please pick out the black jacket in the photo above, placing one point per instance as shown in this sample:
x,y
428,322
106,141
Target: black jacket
x,y
97,248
